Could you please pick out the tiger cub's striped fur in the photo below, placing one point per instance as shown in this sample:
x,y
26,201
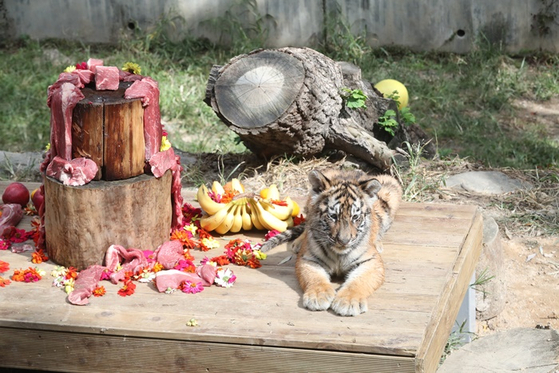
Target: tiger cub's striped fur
x,y
347,213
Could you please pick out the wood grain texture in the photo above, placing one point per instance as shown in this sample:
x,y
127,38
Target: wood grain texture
x,y
124,145
260,321
82,222
110,130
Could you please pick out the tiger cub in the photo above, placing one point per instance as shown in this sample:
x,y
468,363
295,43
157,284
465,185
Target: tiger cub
x,y
347,213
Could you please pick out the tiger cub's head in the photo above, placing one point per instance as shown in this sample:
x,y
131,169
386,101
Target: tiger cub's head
x,y
339,207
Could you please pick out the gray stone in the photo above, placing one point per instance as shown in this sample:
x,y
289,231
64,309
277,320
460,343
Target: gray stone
x,y
523,349
491,295
485,182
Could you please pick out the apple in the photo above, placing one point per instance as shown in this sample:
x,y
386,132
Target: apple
x,y
37,198
16,193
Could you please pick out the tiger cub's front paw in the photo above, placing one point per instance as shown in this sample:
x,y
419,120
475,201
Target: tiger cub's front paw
x,y
347,304
319,298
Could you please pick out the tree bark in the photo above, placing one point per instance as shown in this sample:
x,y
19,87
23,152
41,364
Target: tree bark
x,y
289,101
82,222
110,130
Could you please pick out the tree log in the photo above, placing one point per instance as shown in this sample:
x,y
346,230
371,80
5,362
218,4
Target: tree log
x,y
289,101
82,222
110,130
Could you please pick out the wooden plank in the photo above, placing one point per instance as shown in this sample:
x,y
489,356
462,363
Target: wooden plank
x,y
409,317
450,300
78,352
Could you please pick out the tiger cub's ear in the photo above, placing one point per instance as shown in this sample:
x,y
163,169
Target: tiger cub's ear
x,y
370,186
318,181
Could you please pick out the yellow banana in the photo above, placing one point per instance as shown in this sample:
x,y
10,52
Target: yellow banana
x,y
217,188
254,215
237,219
237,186
280,212
273,192
211,222
247,221
207,204
227,222
268,220
290,222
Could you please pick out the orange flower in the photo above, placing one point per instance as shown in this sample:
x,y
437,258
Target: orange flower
x,y
4,266
71,273
184,237
99,291
129,287
187,255
27,275
39,256
220,260
157,267
4,282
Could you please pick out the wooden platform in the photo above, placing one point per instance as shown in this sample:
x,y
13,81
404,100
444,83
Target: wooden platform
x,y
258,325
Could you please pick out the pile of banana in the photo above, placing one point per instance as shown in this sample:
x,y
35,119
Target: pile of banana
x,y
244,210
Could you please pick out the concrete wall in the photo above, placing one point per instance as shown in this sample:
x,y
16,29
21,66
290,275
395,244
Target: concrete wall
x,y
417,24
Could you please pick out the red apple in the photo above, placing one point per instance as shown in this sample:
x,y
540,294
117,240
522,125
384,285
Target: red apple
x,y
37,198
16,193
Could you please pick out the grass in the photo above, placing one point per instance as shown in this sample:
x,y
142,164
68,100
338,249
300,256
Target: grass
x,y
464,101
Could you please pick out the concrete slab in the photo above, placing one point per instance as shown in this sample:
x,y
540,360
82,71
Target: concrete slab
x,y
523,349
485,182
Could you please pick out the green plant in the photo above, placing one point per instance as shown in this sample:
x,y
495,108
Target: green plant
x,y
354,98
483,278
389,121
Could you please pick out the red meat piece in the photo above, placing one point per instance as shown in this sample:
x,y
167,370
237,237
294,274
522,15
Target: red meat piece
x,y
106,78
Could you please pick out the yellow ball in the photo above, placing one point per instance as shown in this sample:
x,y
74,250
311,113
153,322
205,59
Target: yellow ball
x,y
387,88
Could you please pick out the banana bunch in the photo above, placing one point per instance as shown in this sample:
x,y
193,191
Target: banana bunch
x,y
245,210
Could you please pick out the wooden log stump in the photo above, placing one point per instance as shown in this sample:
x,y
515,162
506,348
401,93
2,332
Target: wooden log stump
x,y
289,101
110,130
82,222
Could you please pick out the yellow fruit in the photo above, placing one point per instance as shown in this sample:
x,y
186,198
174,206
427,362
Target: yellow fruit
x,y
264,193
296,209
387,88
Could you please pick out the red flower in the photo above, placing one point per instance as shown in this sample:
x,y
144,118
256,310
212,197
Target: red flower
x,y
81,65
185,237
220,260
128,289
298,220
4,282
27,275
4,266
99,291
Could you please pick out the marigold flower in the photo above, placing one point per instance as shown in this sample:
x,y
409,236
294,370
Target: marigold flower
x,y
4,266
99,291
132,67
70,68
191,287
4,282
202,233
